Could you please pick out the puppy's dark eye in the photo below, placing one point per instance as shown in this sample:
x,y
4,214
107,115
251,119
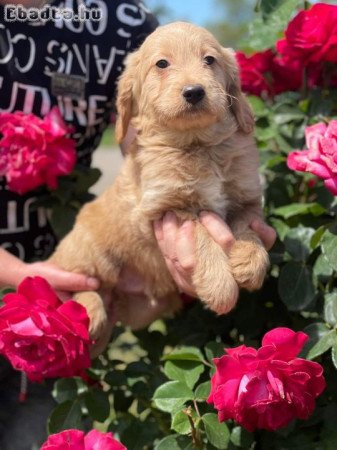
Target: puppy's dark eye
x,y
209,60
162,64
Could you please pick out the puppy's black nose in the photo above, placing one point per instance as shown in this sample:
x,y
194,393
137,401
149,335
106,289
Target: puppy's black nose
x,y
193,93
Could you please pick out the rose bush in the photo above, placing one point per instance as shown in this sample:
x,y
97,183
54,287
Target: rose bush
x,y
34,151
42,336
152,385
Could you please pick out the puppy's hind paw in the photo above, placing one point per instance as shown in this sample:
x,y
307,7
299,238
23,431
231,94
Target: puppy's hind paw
x,y
219,295
249,263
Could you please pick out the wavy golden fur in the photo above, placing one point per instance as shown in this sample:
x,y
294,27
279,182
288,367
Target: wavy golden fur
x,y
186,158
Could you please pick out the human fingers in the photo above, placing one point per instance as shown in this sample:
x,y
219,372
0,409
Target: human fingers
x,y
218,230
62,280
266,233
178,247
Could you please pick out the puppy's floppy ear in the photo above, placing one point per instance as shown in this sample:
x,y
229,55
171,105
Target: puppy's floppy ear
x,y
238,102
125,95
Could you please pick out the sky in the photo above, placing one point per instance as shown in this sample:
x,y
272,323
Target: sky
x,y
197,11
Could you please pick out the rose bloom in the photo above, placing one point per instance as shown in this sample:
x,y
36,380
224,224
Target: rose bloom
x,y
312,35
77,440
321,157
34,151
252,71
268,387
42,336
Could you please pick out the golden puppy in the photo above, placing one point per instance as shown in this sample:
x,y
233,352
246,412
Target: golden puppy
x,y
194,151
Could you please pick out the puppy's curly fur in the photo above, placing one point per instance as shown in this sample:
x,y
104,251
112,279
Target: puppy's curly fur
x,y
186,158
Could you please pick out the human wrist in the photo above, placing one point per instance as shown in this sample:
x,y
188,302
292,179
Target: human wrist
x,y
14,272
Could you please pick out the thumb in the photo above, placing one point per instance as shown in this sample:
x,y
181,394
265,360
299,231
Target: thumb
x,y
69,281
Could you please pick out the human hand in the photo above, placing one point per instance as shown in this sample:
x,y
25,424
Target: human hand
x,y
62,281
177,243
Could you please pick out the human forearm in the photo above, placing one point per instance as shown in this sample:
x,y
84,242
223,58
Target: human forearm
x,y
11,269
12,272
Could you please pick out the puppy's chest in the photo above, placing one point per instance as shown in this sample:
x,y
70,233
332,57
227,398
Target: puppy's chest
x,y
211,189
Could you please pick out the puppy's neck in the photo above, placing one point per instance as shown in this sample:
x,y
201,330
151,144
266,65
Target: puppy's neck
x,y
157,135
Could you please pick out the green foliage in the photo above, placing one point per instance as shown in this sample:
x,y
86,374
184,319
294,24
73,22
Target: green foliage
x,y
65,202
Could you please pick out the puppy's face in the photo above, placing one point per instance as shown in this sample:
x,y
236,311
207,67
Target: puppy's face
x,y
181,78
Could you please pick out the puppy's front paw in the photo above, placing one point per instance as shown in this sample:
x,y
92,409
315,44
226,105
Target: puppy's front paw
x,y
249,263
98,317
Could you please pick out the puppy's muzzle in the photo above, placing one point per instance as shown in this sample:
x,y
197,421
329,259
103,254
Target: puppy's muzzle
x,y
193,93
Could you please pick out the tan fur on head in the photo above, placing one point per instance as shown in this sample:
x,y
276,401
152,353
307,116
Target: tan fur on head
x,y
160,99
187,157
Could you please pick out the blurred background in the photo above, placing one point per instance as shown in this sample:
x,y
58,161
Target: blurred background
x,y
227,19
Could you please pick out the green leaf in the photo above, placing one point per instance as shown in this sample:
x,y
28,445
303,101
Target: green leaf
x,y
315,331
116,378
265,134
175,442
202,391
330,308
258,106
264,32
214,349
172,395
323,345
186,371
137,369
317,236
280,226
217,433
181,423
62,219
185,354
295,209
86,177
241,438
334,355
269,6
65,416
295,286
297,242
329,248
322,269
65,389
98,405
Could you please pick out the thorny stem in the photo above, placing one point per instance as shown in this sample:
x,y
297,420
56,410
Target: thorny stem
x,y
197,442
207,364
196,408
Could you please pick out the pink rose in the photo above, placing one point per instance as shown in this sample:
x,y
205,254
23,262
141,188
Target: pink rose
x,y
321,157
33,151
268,387
77,440
252,71
42,336
312,35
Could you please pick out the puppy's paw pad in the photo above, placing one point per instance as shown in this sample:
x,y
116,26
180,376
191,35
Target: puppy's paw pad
x,y
249,263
